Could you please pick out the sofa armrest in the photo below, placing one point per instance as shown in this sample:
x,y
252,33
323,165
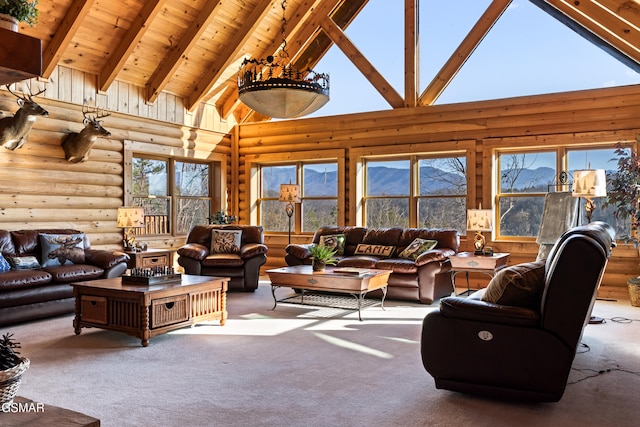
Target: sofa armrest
x,y
194,250
439,254
480,311
105,259
252,249
299,251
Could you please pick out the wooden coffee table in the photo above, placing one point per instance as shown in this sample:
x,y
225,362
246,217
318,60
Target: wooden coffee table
x,y
145,311
355,282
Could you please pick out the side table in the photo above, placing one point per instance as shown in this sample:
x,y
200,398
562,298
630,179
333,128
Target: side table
x,y
149,258
468,262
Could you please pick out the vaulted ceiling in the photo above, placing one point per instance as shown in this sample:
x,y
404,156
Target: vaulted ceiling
x,y
193,48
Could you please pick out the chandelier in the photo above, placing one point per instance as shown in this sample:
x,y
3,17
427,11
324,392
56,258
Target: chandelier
x,y
276,88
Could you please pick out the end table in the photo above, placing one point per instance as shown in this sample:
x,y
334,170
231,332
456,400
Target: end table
x,y
468,262
150,258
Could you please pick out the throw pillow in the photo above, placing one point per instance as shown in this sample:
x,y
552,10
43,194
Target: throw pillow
x,y
417,247
335,241
61,249
226,241
520,285
24,262
4,264
376,250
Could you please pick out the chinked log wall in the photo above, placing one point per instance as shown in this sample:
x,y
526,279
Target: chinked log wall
x,y
582,117
40,189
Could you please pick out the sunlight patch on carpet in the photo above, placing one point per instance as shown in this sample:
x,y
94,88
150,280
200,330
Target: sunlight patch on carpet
x,y
260,326
353,346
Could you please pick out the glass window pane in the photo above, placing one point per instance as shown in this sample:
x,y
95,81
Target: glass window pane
x,y
387,213
527,172
192,179
149,177
521,216
273,216
156,214
273,176
443,212
190,212
388,178
320,180
446,176
318,213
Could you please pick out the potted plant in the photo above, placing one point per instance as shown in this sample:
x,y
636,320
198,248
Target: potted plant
x,y
221,217
12,366
19,11
322,256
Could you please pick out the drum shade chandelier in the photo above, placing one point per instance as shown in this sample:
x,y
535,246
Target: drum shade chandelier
x,y
276,88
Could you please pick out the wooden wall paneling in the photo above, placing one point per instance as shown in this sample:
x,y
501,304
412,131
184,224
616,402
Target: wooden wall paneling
x,y
123,98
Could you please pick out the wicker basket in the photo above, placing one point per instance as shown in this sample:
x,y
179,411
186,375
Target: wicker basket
x,y
10,381
634,291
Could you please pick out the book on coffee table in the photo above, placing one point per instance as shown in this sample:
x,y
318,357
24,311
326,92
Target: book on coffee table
x,y
351,271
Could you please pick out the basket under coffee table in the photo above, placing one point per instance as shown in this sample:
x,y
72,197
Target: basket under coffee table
x,y
145,311
352,281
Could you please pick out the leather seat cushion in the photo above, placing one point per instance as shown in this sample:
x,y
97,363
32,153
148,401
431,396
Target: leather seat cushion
x,y
74,272
359,261
16,279
405,266
223,260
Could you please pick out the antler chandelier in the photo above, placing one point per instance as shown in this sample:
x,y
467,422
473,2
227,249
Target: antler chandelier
x,y
276,88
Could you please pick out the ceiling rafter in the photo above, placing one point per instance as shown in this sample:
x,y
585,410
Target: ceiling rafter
x,y
71,23
463,52
170,64
411,53
120,55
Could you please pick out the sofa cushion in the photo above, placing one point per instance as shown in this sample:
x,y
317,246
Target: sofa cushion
x,y
520,285
225,241
59,249
14,279
398,265
359,261
382,236
4,264
375,250
417,247
335,241
223,260
23,262
74,272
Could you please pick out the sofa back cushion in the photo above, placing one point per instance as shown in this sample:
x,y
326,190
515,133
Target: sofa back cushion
x,y
27,242
383,236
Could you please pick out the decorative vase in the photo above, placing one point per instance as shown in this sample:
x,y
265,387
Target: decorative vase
x,y
318,265
8,22
10,380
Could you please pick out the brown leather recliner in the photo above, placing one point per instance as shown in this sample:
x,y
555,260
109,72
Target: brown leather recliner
x,y
243,267
473,346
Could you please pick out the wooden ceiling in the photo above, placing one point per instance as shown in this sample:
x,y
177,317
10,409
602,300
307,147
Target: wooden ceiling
x,y
193,48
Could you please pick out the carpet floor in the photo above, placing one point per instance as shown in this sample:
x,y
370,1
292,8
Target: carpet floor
x,y
308,366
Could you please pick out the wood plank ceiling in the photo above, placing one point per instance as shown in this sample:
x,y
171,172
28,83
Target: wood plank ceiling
x,y
193,48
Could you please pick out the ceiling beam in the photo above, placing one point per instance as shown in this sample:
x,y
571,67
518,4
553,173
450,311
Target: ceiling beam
x,y
463,52
68,28
119,57
171,62
227,55
362,63
411,53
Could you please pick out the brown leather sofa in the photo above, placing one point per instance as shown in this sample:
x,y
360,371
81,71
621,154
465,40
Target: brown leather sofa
x,y
521,346
28,294
241,266
425,279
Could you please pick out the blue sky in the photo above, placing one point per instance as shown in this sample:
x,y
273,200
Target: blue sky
x,y
527,52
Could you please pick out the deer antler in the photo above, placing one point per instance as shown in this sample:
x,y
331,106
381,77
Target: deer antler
x,y
23,97
87,111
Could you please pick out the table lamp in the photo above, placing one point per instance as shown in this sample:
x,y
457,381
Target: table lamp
x,y
589,183
130,218
479,220
290,193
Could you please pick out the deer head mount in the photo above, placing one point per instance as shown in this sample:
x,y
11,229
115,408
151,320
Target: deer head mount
x,y
14,131
76,145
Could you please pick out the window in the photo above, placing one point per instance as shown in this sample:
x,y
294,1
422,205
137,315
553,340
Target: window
x,y
319,195
422,191
175,194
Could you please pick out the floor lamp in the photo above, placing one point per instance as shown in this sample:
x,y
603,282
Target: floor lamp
x,y
290,193
589,183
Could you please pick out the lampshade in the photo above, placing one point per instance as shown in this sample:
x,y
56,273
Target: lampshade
x,y
290,193
480,219
130,217
589,183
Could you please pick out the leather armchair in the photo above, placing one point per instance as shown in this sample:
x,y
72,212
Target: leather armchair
x,y
473,346
243,268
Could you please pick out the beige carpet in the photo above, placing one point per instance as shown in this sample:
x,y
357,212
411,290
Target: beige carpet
x,y
300,366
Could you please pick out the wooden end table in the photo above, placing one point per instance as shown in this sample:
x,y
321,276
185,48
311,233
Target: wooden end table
x,y
468,262
149,258
145,311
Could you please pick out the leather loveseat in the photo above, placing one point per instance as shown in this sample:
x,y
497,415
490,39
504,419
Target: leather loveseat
x,y
35,284
425,277
240,260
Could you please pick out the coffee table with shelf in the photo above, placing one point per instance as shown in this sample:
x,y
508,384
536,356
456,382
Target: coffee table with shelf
x,y
145,311
358,282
